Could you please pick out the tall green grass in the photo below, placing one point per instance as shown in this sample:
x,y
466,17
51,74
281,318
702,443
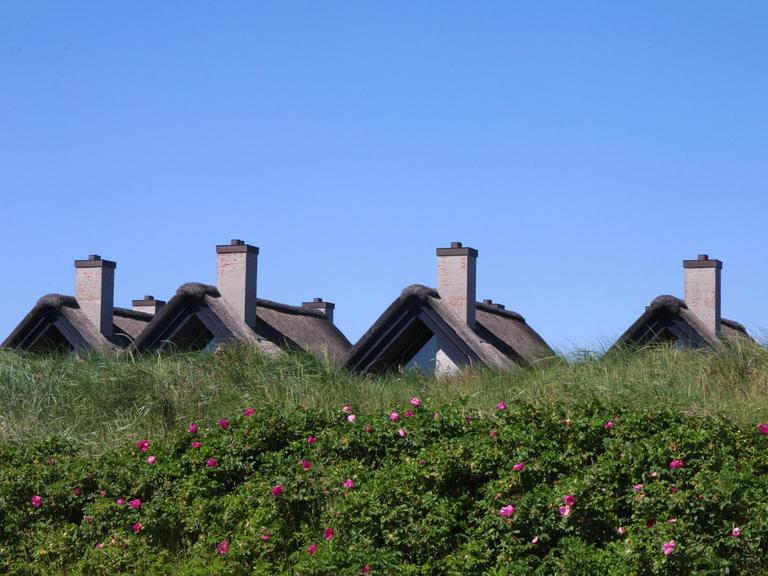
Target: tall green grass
x,y
100,400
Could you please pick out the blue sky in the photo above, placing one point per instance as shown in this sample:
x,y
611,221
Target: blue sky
x,y
585,149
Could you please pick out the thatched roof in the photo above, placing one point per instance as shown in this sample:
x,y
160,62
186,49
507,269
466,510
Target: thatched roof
x,y
501,338
301,328
669,319
56,322
199,309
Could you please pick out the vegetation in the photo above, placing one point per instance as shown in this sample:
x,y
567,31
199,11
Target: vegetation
x,y
232,463
99,401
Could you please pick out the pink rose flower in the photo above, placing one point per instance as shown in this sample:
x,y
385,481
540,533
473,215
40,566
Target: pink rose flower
x,y
328,534
654,474
249,412
311,439
762,428
76,491
408,413
348,483
212,463
151,460
674,465
102,493
351,418
569,500
265,536
507,511
223,547
306,464
312,549
196,445
100,545
736,532
135,503
368,429
650,523
36,501
564,510
638,487
192,428
415,402
621,530
608,425
137,527
519,466
668,547
402,432
346,408
277,489
501,406
223,423
365,569
142,445
120,501
394,416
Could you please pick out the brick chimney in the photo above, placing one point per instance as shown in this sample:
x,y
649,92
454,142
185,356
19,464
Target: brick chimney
x,y
95,291
324,307
456,280
702,290
236,278
148,305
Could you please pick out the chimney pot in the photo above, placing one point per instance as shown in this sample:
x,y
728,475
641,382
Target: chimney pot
x,y
703,257
456,245
94,257
149,304
236,243
488,301
322,306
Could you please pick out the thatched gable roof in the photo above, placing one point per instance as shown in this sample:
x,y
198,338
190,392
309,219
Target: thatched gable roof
x,y
301,328
56,322
668,318
501,338
198,313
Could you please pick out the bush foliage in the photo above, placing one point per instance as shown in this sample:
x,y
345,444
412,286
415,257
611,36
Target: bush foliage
x,y
417,489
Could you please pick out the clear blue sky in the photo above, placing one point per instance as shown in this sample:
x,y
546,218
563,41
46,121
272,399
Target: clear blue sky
x,y
585,149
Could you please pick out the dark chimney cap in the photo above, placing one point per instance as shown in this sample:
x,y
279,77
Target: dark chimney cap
x,y
148,297
317,299
236,247
95,261
703,261
148,300
318,303
456,249
488,301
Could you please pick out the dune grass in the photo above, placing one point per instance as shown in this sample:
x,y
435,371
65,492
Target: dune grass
x,y
98,400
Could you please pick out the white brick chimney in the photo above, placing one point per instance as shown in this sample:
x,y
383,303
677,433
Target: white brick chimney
x,y
457,279
148,304
236,264
95,291
702,290
324,307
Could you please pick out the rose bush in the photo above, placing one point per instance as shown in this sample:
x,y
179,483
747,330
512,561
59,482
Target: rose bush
x,y
549,491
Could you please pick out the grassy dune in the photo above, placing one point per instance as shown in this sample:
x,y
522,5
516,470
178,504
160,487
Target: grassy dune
x,y
99,401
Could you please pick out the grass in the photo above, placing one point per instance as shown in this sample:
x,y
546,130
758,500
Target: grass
x,y
98,400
